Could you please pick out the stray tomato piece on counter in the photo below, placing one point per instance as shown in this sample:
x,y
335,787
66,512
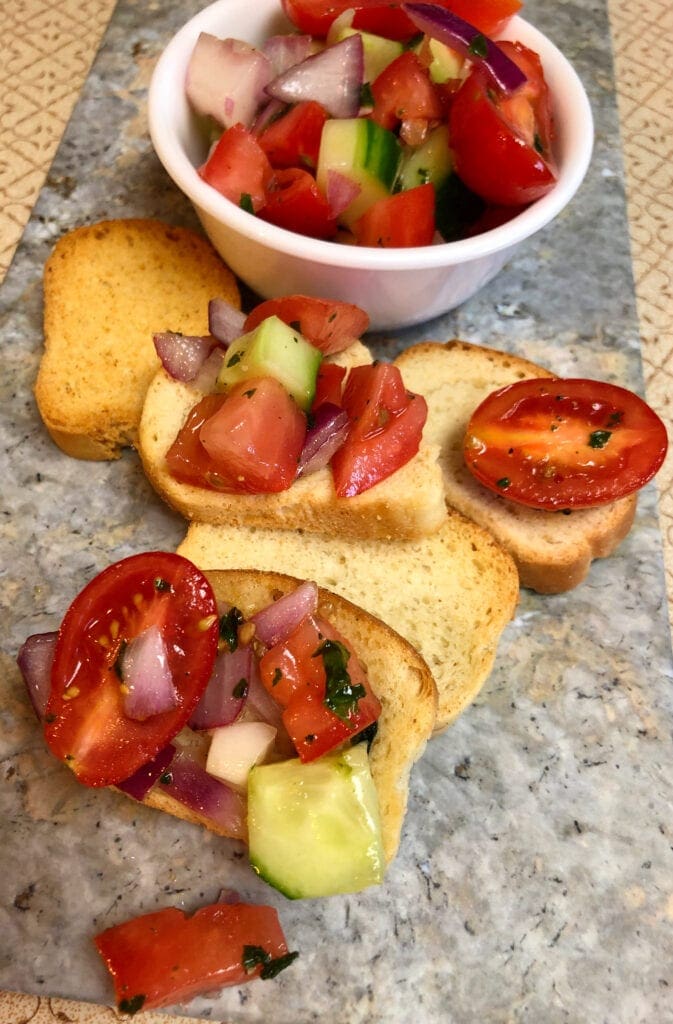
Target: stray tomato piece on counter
x,y
557,444
168,957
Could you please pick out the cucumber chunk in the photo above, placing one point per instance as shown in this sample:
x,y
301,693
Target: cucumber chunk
x,y
432,161
273,349
314,829
365,153
378,52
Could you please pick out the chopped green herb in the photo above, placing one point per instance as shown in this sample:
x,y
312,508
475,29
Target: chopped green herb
x,y
236,358
599,438
277,676
341,697
132,1005
479,46
310,738
246,202
423,175
366,95
241,689
229,624
615,418
503,483
274,967
166,778
119,660
161,584
537,144
250,393
253,956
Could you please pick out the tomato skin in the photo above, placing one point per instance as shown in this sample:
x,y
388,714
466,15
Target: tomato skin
x,y
389,20
404,91
564,444
386,428
255,437
187,459
403,220
166,957
293,201
294,139
85,725
329,385
328,324
238,167
502,146
294,674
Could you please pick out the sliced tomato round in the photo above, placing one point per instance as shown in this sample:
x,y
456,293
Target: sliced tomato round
x,y
85,724
403,91
389,19
386,428
239,168
293,201
502,145
403,220
564,444
328,324
166,957
293,140
324,690
255,438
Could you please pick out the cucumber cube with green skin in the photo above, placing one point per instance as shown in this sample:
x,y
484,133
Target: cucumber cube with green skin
x,y
378,52
359,149
273,349
432,161
314,829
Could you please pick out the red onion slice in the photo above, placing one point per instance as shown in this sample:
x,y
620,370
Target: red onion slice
x,y
191,785
274,623
226,79
326,435
448,28
147,683
224,697
284,51
263,708
225,322
183,355
141,782
267,114
332,78
35,659
341,191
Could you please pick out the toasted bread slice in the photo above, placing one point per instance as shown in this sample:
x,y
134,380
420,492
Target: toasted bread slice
x,y
108,288
397,673
552,551
450,594
409,503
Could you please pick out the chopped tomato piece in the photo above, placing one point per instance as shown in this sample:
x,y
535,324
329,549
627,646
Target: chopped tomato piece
x,y
328,324
502,145
386,427
239,168
389,20
293,140
85,723
329,384
324,689
255,437
187,459
167,957
402,220
555,444
403,91
294,202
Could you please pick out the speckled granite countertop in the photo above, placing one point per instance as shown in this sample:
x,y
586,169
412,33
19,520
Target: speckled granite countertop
x,y
534,879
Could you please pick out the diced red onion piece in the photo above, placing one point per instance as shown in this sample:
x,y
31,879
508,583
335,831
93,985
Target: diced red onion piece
x,y
326,435
341,191
332,78
226,79
266,115
183,355
448,28
225,322
192,786
35,659
274,623
148,687
209,372
141,782
284,51
261,707
219,704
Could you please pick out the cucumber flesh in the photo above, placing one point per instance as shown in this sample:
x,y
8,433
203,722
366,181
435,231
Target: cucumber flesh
x,y
359,149
378,52
314,829
432,161
273,349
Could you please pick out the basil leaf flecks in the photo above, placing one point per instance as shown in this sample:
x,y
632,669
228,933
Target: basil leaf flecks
x,y
253,956
341,697
599,438
229,624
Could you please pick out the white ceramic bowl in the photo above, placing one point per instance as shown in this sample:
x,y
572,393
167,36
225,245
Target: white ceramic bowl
x,y
397,287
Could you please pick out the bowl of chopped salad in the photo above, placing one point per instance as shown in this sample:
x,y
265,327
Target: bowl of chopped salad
x,y
388,155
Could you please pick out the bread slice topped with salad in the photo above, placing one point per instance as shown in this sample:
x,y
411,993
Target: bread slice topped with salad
x,y
108,288
550,467
289,424
257,705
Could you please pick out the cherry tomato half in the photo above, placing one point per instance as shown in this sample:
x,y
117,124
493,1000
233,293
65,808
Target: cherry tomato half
x,y
556,444
85,724
166,957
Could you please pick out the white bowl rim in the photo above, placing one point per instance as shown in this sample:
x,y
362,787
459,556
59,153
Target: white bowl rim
x,y
183,173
